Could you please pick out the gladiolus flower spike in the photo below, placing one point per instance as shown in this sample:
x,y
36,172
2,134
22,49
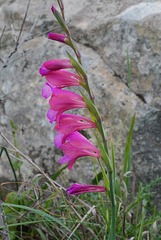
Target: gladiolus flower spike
x,y
78,188
77,146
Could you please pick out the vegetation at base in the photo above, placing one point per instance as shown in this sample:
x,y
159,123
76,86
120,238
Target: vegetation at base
x,y
37,211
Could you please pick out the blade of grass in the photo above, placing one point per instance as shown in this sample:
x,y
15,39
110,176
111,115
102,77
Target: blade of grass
x,y
103,207
127,159
137,210
44,214
10,162
142,223
41,234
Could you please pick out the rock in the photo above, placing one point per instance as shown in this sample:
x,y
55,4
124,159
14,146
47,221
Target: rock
x,y
132,27
103,37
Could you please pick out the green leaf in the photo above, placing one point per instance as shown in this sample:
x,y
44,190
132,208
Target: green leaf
x,y
41,233
127,149
98,178
113,162
142,224
115,178
14,127
54,177
17,164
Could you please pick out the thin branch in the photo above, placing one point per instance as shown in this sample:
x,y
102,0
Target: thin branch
x,y
15,59
2,33
1,40
28,36
40,34
1,60
23,22
20,32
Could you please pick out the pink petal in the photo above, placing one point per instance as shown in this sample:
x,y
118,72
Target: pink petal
x,y
62,101
62,78
43,70
51,115
56,64
77,140
64,159
71,163
76,148
46,91
58,139
69,123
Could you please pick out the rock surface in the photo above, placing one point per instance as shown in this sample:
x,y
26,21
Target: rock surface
x,y
103,37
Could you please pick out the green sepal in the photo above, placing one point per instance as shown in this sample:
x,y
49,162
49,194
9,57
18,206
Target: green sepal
x,y
83,85
68,42
91,107
60,20
77,66
104,155
94,112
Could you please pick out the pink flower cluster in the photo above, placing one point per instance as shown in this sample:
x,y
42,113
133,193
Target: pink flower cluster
x,y
73,144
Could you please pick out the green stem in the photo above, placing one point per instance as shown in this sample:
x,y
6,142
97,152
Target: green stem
x,y
113,215
17,155
88,90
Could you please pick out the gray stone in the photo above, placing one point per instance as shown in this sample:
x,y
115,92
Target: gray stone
x,y
133,27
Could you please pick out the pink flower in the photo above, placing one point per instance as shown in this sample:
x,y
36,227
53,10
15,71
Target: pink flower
x,y
62,78
77,146
69,123
57,37
54,64
62,100
78,188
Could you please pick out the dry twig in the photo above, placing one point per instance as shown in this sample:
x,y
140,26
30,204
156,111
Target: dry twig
x,y
90,210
